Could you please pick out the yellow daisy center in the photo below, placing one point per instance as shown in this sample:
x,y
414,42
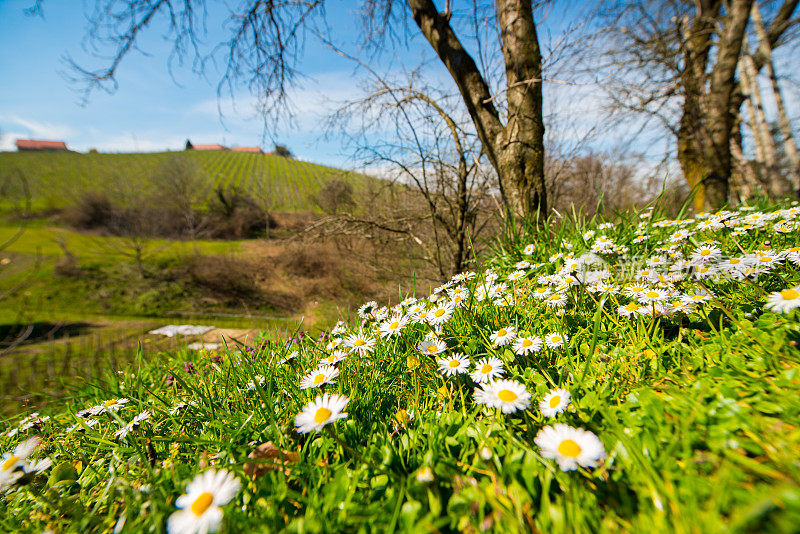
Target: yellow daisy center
x,y
637,289
319,379
331,358
734,261
202,503
109,403
359,343
569,448
527,342
439,312
506,395
433,348
10,462
486,368
454,363
705,252
555,296
394,325
789,294
555,400
555,339
502,332
322,415
766,258
652,294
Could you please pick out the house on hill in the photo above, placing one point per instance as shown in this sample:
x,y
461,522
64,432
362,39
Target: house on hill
x,y
35,145
192,146
251,149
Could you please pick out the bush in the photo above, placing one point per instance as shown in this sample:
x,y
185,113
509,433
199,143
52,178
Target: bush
x,y
224,275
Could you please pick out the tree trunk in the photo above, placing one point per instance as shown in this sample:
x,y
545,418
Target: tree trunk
x,y
765,51
516,149
719,117
521,151
762,136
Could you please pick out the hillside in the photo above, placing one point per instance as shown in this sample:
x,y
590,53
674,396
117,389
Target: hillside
x,y
639,375
57,178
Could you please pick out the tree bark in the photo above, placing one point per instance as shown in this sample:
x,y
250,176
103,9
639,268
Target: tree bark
x,y
789,145
516,149
720,119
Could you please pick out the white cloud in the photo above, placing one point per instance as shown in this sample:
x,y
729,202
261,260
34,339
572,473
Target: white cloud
x,y
7,140
41,129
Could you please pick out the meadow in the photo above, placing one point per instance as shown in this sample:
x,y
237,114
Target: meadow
x,y
632,375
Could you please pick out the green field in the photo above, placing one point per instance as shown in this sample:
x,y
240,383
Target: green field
x,y
637,376
58,178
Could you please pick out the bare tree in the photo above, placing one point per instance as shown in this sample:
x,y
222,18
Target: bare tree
x,y
434,152
676,61
265,44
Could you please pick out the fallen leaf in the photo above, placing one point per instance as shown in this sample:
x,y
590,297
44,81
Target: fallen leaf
x,y
269,458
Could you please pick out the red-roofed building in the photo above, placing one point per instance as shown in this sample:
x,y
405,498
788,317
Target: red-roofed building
x,y
192,146
253,149
24,145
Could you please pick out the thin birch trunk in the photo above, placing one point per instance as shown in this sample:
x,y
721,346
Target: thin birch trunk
x,y
762,131
789,145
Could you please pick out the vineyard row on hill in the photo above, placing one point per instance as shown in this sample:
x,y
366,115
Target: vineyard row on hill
x,y
55,179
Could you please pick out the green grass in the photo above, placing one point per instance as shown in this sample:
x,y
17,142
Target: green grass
x,y
697,412
56,179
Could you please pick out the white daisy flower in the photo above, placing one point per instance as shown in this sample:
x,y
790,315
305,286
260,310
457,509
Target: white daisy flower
x,y
555,402
462,277
508,395
123,432
77,427
529,249
516,275
556,300
360,343
200,510
784,301
503,336
634,290
440,314
487,370
705,254
339,329
680,306
454,364
522,264
251,385
630,309
541,293
111,405
555,340
705,271
319,376
525,345
570,447
178,408
322,411
653,295
431,346
392,327
294,354
13,464
458,300
333,358
366,310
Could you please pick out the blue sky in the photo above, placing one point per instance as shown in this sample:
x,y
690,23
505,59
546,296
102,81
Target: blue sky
x,y
151,109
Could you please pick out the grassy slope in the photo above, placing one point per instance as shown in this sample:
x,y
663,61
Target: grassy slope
x,y
57,178
698,414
